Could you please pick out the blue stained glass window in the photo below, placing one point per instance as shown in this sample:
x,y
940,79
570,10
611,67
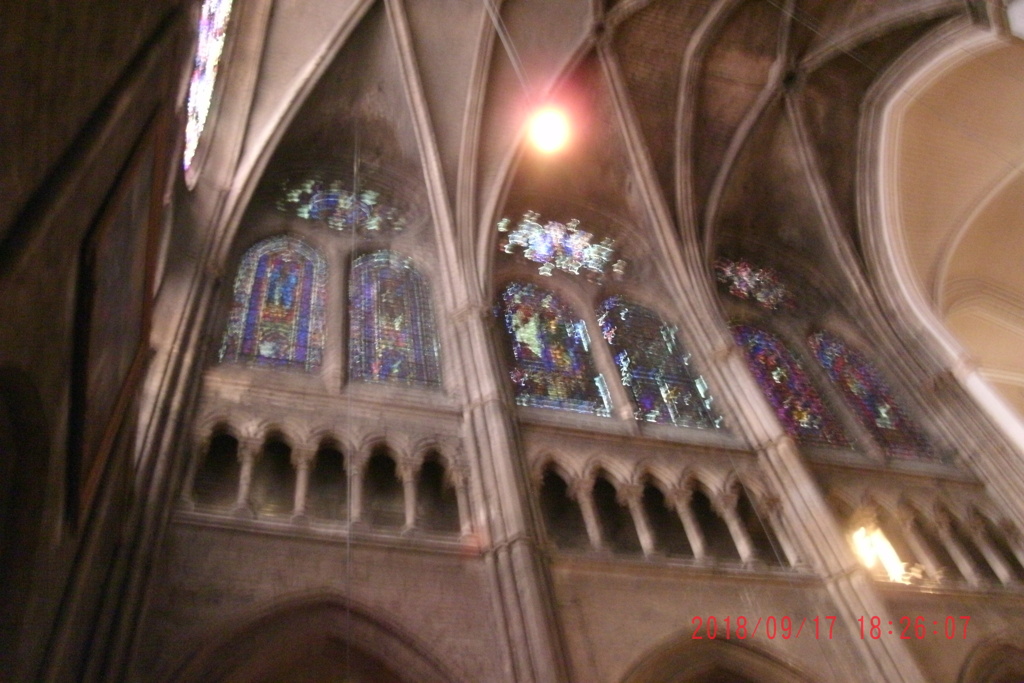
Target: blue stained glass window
x,y
392,333
277,314
654,367
551,365
213,21
784,382
867,393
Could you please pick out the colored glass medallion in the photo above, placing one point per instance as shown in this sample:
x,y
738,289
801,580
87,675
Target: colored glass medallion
x,y
867,393
561,245
392,333
785,383
654,367
551,365
760,285
213,21
277,315
339,209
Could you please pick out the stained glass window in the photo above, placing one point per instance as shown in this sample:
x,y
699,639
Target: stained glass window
x,y
551,366
654,367
760,285
213,21
277,316
392,336
564,246
787,387
867,393
329,202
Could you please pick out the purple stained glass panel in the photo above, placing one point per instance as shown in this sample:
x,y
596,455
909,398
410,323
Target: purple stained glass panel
x,y
784,382
870,397
277,313
654,367
392,335
550,349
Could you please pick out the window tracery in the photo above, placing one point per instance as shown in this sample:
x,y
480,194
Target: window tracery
x,y
392,333
550,350
654,367
277,312
564,246
213,21
365,212
869,396
759,285
785,383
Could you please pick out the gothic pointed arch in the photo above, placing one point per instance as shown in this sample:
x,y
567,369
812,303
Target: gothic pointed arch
x,y
549,348
312,638
785,384
277,311
684,660
654,367
998,660
869,396
392,334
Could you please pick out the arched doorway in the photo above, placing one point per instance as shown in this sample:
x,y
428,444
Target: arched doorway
x,y
321,640
710,661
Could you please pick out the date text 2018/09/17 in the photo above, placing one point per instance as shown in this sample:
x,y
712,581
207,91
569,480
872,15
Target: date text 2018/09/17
x,y
823,627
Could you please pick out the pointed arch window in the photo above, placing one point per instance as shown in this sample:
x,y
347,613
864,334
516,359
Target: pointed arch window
x,y
213,22
784,382
392,336
277,314
551,365
654,367
869,396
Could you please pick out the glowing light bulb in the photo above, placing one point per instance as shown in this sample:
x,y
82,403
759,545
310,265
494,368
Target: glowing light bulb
x,y
549,130
872,547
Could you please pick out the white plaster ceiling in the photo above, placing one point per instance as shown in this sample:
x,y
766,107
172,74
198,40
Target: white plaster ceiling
x,y
960,196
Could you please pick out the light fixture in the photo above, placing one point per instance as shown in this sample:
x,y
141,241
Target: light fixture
x,y
549,129
873,547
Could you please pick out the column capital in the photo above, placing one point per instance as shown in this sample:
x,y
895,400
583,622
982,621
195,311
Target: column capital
x,y
628,494
407,468
583,486
303,457
680,496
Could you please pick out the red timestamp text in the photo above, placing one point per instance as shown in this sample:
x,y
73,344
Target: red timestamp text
x,y
914,628
742,627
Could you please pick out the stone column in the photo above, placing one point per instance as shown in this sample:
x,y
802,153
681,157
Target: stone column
x,y
458,480
248,451
582,491
302,460
956,551
725,505
408,473
976,528
631,495
200,451
356,468
680,499
773,517
622,403
1015,541
921,551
